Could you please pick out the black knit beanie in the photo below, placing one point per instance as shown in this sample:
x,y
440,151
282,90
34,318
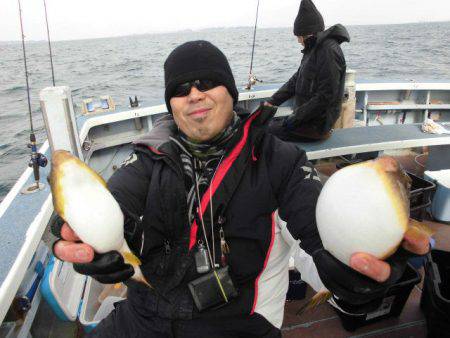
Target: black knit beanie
x,y
308,20
197,60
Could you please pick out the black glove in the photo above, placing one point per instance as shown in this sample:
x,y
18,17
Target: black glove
x,y
107,268
291,122
354,292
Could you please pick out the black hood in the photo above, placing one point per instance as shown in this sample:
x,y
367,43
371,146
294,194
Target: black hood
x,y
336,32
162,129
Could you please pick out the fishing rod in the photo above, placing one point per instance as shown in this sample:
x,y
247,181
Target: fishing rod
x,y
37,159
49,44
252,78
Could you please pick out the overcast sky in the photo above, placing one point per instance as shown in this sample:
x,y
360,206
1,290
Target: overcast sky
x,y
82,19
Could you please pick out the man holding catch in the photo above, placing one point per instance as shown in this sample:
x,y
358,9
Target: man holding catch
x,y
203,196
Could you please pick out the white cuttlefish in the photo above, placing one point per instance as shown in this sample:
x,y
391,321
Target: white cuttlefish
x,y
365,208
82,199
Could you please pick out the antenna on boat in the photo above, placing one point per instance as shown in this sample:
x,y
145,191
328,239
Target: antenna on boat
x,y
251,77
37,159
49,44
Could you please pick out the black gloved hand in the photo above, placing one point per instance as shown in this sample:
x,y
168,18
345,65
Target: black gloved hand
x,y
291,122
107,268
354,292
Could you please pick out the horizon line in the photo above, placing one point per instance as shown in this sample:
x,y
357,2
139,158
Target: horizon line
x,y
212,28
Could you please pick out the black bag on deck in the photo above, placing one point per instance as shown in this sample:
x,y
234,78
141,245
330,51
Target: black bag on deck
x,y
435,301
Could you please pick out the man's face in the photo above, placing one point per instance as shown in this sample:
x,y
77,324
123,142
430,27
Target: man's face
x,y
301,40
202,115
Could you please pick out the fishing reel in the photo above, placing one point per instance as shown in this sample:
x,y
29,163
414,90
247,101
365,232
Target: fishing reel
x,y
37,160
252,80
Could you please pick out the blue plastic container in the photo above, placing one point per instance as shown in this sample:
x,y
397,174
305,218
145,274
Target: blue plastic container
x,y
72,296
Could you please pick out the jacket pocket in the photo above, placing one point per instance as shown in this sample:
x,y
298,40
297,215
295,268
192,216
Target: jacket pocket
x,y
307,82
311,87
156,261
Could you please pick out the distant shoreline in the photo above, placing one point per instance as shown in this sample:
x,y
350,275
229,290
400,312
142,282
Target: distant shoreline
x,y
211,29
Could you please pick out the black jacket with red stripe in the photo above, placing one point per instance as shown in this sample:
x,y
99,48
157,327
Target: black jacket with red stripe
x,y
258,176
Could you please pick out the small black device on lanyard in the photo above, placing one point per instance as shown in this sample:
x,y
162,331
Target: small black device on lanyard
x,y
215,288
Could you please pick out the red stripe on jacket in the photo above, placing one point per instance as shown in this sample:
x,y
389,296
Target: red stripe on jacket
x,y
218,177
156,151
272,238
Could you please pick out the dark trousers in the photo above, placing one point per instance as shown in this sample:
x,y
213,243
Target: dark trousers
x,y
302,133
124,321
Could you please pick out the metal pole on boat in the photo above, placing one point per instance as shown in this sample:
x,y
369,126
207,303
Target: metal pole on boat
x,y
49,44
37,159
26,68
252,78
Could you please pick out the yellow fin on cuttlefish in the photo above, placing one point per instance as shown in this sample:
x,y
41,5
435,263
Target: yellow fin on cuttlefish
x,y
421,227
319,298
131,259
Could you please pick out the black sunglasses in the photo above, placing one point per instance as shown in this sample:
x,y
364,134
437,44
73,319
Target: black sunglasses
x,y
202,85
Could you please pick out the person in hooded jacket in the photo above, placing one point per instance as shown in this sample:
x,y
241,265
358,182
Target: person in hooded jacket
x,y
317,87
207,196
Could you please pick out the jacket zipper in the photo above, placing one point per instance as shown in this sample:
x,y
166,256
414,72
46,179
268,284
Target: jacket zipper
x,y
167,247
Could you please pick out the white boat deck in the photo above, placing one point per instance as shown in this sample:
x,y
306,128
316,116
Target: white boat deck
x,y
373,138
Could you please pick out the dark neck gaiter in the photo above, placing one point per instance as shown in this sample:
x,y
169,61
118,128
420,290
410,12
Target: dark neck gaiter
x,y
201,160
212,148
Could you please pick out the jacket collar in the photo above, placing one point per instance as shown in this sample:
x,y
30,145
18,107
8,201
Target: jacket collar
x,y
310,42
